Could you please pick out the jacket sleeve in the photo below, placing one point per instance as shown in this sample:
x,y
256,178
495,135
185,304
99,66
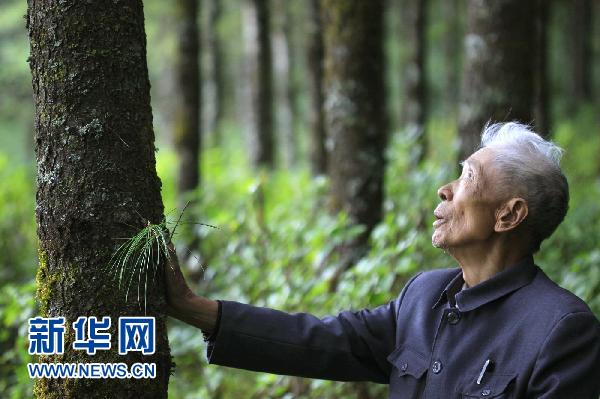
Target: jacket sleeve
x,y
567,365
351,346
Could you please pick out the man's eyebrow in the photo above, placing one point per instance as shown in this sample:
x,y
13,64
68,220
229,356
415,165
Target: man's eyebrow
x,y
472,163
464,163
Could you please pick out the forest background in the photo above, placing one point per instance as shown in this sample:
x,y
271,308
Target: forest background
x,y
285,238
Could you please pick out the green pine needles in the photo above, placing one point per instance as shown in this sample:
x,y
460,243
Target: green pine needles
x,y
139,258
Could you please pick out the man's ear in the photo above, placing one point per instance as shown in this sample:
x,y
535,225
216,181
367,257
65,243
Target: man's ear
x,y
511,214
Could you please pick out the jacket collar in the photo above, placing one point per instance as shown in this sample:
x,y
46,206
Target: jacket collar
x,y
510,279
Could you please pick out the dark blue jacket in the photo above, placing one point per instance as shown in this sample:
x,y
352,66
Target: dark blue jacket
x,y
516,335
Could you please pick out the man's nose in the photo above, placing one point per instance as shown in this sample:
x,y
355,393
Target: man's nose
x,y
445,192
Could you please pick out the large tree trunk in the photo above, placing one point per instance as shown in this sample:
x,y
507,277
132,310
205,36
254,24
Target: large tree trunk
x,y
315,55
355,111
96,177
258,79
414,18
498,67
187,119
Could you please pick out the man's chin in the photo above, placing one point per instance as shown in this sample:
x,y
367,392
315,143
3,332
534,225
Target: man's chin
x,y
437,241
439,245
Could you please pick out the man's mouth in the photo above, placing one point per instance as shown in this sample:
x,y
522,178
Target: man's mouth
x,y
439,219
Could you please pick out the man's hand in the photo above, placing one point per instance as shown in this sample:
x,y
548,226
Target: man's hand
x,y
182,303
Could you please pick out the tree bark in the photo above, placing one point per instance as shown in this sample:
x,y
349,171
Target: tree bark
x,y
315,55
580,36
292,86
452,53
414,16
187,120
498,67
355,111
217,65
542,98
96,176
284,86
258,70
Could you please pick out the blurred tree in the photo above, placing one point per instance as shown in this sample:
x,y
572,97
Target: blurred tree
x,y
414,21
187,131
498,70
258,79
315,55
580,54
355,113
187,119
285,89
215,51
542,98
96,176
293,90
452,52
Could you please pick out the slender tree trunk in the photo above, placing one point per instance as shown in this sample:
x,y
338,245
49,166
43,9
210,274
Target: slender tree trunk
x,y
355,112
498,67
315,55
96,177
217,65
414,15
580,35
187,132
542,99
282,61
452,53
187,120
291,87
258,71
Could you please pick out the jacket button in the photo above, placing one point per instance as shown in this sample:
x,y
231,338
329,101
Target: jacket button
x,y
404,366
436,367
486,392
453,317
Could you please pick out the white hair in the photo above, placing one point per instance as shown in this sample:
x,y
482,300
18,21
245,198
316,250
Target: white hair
x,y
530,168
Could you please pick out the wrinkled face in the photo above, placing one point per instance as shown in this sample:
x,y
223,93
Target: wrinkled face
x,y
467,214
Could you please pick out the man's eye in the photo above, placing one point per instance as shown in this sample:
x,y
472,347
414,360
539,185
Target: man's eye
x,y
467,174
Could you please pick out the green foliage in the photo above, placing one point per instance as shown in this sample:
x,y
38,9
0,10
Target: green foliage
x,y
17,268
17,305
275,241
17,223
15,80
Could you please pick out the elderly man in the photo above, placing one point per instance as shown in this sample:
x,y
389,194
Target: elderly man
x,y
495,327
